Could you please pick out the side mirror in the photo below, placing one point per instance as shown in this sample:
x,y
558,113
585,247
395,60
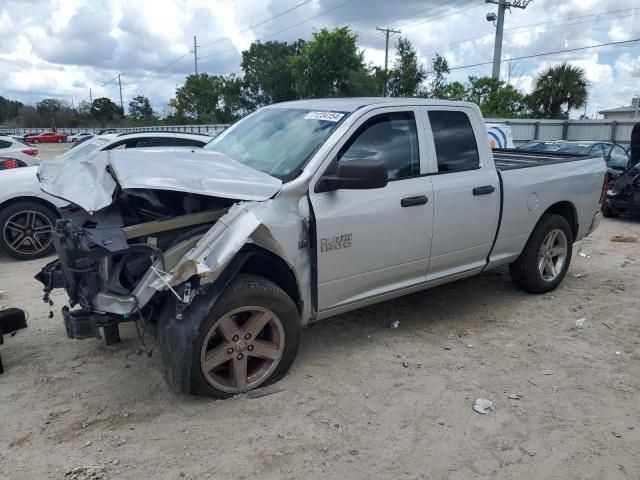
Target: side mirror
x,y
358,174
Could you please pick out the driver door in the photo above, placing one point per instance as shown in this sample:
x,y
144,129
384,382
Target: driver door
x,y
374,241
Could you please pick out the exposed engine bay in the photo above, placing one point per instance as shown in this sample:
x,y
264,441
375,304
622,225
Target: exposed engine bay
x,y
110,251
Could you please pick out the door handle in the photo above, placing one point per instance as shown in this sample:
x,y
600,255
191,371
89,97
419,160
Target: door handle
x,y
413,201
486,190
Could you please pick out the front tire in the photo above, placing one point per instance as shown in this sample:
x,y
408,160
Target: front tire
x,y
248,339
26,230
544,262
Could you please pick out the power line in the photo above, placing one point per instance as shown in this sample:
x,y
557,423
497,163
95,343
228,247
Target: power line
x,y
259,24
286,28
549,53
532,25
114,78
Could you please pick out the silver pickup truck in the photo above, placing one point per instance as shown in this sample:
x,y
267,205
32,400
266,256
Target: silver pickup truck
x,y
298,212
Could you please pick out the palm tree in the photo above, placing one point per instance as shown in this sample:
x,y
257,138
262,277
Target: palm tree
x,y
557,87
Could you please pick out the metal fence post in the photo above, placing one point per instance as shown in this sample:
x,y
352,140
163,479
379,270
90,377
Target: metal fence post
x,y
536,131
614,127
565,129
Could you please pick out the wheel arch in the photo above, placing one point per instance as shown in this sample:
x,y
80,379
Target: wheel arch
x,y
567,210
41,201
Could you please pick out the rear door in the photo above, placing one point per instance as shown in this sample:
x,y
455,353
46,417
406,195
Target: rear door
x,y
466,195
370,242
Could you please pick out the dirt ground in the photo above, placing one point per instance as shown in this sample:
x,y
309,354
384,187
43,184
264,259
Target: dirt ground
x,y
363,401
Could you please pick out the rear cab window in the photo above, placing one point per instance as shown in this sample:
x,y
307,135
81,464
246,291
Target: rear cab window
x,y
455,142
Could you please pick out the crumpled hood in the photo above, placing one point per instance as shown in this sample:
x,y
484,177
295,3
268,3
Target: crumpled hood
x,y
88,183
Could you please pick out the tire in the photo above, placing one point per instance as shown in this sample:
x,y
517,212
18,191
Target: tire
x,y
35,141
262,297
15,217
59,140
527,272
607,212
74,140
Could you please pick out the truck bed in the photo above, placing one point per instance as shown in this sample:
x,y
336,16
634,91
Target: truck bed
x,y
511,158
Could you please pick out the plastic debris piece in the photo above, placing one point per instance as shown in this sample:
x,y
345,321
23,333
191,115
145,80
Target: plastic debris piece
x,y
547,372
448,347
405,364
470,345
395,324
481,405
618,353
513,396
580,322
581,253
624,238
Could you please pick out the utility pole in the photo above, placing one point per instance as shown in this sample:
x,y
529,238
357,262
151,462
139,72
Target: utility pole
x,y
121,104
90,98
195,54
387,32
497,47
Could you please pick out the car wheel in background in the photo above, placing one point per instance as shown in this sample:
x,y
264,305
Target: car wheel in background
x,y
59,140
545,259
35,140
74,140
26,230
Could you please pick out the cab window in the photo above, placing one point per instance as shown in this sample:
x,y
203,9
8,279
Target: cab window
x,y
455,142
390,137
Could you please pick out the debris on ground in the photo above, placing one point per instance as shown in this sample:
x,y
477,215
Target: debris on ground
x,y
580,322
481,405
547,372
91,472
618,353
470,345
405,364
395,324
514,396
624,238
448,347
581,253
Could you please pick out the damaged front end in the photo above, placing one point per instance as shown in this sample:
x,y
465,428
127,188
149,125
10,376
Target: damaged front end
x,y
145,234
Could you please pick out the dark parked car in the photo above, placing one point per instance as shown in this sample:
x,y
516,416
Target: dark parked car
x,y
623,195
615,156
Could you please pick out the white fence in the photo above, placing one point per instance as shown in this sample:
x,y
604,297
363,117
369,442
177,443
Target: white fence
x,y
605,130
523,130
159,128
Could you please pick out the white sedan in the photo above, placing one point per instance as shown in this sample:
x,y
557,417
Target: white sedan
x,y
15,152
79,136
27,214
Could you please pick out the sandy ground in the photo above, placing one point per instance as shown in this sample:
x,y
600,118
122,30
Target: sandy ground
x,y
350,408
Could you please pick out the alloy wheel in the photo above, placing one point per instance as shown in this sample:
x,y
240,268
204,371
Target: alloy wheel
x,y
28,232
553,255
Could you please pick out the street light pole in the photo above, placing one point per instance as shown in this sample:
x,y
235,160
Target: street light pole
x,y
503,5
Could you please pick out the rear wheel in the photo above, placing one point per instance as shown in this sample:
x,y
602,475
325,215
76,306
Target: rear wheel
x,y
545,259
27,230
249,339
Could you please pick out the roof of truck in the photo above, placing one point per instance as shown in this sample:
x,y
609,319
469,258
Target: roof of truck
x,y
352,104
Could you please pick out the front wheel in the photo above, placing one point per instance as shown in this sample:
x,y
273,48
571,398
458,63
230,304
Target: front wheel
x,y
545,259
248,339
27,230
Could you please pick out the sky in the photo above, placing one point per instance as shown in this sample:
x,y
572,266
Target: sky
x,y
65,48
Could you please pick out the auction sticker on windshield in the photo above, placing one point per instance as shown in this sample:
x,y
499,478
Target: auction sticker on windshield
x,y
326,116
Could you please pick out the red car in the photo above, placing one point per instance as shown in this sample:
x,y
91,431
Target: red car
x,y
47,137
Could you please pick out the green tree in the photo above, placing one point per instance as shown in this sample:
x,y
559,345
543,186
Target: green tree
x,y
454,91
407,74
436,81
210,98
48,108
495,97
9,109
558,90
140,109
105,111
267,71
326,65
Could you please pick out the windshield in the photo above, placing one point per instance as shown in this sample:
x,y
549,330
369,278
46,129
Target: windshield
x,y
277,141
83,149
